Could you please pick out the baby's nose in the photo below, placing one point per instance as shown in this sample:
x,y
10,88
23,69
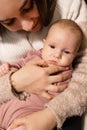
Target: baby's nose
x,y
58,54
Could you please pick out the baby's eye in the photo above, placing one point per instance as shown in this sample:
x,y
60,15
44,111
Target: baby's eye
x,y
52,46
66,51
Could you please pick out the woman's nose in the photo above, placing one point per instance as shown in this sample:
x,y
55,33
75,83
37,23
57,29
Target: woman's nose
x,y
27,25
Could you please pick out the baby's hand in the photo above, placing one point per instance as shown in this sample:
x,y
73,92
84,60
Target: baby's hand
x,y
4,68
74,9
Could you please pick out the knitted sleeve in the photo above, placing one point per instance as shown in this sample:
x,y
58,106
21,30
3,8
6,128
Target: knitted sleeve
x,y
7,92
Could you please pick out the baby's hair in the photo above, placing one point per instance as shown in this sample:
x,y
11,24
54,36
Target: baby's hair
x,y
72,26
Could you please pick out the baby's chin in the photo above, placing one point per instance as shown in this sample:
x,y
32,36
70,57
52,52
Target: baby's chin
x,y
52,64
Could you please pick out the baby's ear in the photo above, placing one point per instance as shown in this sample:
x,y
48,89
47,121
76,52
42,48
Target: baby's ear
x,y
77,54
44,40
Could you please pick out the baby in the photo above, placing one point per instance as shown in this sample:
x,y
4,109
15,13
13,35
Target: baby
x,y
61,46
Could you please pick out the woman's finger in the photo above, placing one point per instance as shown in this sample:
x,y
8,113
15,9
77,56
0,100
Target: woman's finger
x,y
62,87
47,95
41,63
60,77
22,127
54,69
57,87
52,88
17,122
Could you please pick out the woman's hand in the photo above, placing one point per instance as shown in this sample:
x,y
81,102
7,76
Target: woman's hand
x,y
36,77
41,120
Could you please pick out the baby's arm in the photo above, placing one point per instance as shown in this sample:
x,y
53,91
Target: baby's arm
x,y
4,68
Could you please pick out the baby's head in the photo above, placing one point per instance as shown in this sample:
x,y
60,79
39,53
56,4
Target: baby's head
x,y
62,43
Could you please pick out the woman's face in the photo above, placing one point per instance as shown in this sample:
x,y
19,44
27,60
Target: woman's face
x,y
17,15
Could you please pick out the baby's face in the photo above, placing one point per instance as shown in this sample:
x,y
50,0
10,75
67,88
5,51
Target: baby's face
x,y
59,48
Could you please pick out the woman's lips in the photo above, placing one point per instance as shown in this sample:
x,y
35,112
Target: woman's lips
x,y
36,27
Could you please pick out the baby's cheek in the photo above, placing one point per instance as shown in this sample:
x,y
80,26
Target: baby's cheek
x,y
46,56
65,62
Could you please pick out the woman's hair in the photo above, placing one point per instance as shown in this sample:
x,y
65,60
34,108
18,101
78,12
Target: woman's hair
x,y
46,10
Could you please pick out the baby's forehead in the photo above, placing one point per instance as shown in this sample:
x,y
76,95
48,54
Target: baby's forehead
x,y
57,28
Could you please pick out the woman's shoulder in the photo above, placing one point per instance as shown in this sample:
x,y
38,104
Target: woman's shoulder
x,y
61,10
71,9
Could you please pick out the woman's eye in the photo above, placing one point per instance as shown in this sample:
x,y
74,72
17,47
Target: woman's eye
x,y
27,9
67,52
10,23
52,46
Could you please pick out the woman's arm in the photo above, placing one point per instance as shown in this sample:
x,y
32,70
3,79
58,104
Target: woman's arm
x,y
5,87
41,120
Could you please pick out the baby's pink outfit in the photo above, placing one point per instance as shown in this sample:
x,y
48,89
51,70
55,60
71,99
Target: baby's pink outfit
x,y
18,108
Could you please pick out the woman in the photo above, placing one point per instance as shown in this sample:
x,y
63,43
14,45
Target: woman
x,y
30,16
